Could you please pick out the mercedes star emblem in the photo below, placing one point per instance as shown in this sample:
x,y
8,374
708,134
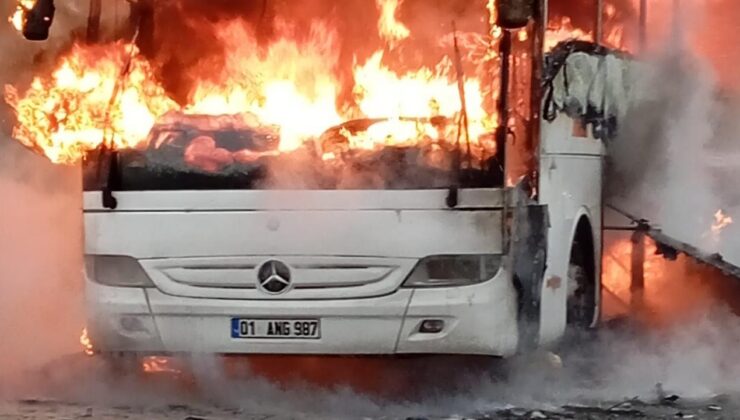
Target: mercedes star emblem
x,y
273,277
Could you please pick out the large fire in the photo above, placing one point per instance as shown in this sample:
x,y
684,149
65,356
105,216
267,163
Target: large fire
x,y
72,110
110,94
292,83
673,289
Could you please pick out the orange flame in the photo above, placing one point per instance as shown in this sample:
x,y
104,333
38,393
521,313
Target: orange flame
x,y
157,364
87,345
292,83
423,93
673,289
617,269
389,28
564,31
67,114
17,19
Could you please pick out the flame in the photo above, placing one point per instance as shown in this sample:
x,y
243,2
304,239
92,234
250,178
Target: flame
x,y
291,85
67,114
673,289
721,221
389,28
564,31
292,82
617,267
393,132
18,18
422,93
87,345
158,364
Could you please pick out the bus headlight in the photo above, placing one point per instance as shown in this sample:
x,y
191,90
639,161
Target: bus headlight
x,y
453,270
116,270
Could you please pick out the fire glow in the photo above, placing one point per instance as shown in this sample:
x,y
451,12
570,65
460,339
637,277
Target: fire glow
x,y
87,346
158,364
292,82
389,28
721,221
292,85
17,19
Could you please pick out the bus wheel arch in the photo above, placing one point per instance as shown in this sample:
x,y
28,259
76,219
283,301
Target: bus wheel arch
x,y
582,283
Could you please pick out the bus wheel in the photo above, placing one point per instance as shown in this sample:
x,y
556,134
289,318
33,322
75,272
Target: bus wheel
x,y
581,291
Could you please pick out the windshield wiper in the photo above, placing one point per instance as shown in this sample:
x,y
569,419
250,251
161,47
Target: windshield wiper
x,y
109,201
453,198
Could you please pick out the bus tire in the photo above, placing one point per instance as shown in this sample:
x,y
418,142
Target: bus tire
x,y
581,301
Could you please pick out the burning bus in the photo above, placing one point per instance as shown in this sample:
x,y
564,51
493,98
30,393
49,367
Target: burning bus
x,y
451,209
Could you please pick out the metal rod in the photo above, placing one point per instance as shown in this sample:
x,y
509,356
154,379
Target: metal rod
x,y
537,64
637,285
626,214
714,260
502,131
615,296
141,18
460,73
618,262
599,33
462,124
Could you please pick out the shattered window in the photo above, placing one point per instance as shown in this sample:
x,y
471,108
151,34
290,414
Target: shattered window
x,y
202,152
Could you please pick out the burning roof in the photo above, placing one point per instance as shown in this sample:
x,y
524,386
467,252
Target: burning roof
x,y
114,94
301,68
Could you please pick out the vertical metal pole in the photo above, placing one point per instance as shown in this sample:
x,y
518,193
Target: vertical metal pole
x,y
93,21
599,33
643,25
535,100
141,18
502,131
637,270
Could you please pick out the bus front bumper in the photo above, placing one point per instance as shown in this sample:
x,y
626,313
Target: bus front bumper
x,y
476,320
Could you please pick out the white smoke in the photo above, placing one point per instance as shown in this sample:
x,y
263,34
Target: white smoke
x,y
695,360
40,225
664,165
40,308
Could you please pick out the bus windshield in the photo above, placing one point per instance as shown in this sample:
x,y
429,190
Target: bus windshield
x,y
191,152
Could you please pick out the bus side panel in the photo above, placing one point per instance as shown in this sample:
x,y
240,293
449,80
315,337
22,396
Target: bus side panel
x,y
570,184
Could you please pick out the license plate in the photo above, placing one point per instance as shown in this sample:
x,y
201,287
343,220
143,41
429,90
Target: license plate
x,y
307,329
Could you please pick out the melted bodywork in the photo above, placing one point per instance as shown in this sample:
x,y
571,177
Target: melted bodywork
x,y
528,251
591,83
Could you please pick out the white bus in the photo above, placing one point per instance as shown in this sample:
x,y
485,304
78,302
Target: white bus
x,y
487,261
